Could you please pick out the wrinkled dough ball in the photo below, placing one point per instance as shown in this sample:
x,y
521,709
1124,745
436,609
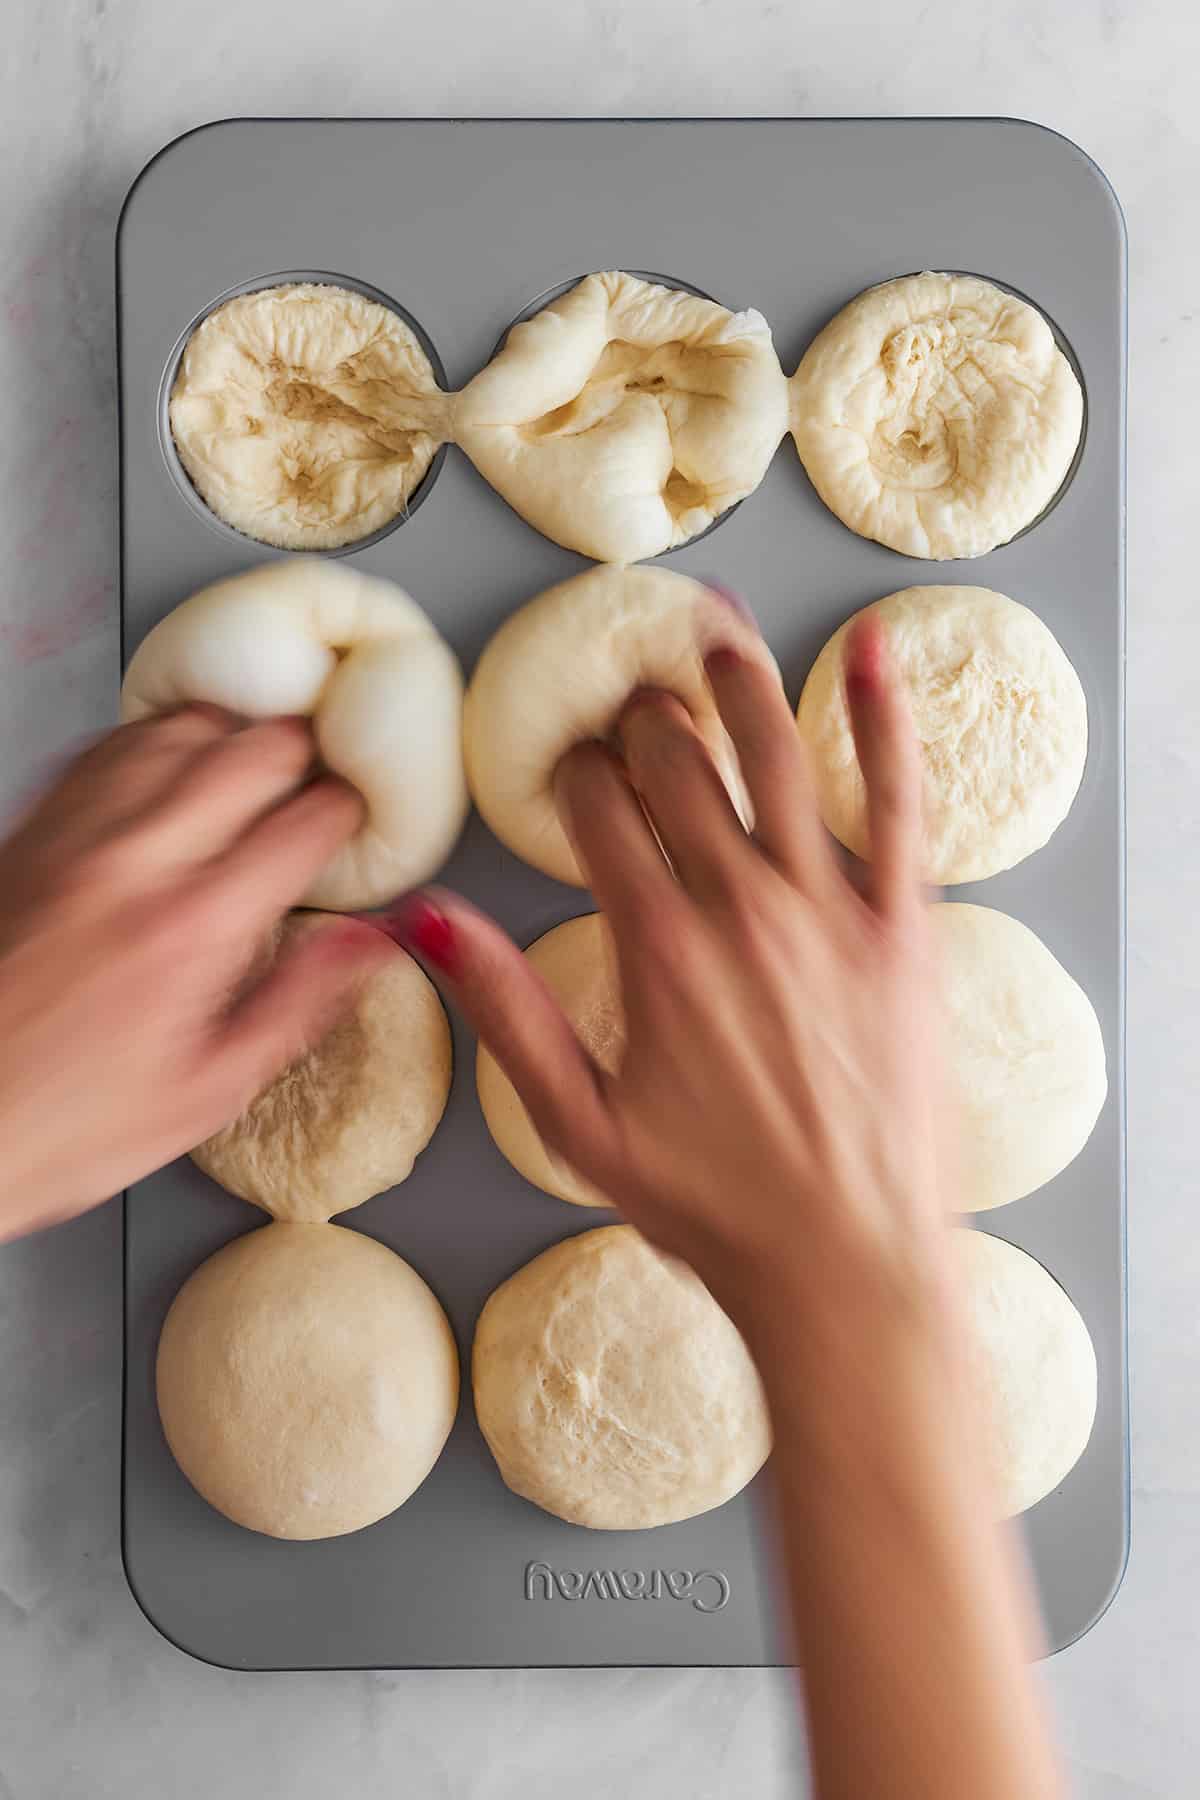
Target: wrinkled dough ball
x,y
359,658
560,670
306,416
1025,1055
624,418
351,1116
578,965
1033,1365
307,1380
937,415
1001,719
612,1390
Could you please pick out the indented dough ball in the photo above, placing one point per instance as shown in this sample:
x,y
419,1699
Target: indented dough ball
x,y
937,415
624,418
307,1380
577,962
306,415
611,1388
1025,1054
560,670
357,656
1034,1366
1000,716
350,1117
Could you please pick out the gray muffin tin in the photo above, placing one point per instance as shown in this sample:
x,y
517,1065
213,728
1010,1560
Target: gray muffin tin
x,y
463,224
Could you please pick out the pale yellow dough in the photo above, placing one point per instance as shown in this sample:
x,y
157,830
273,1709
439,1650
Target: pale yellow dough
x,y
357,656
577,963
306,416
560,670
307,1380
611,1388
624,418
1034,1366
351,1116
1024,1053
937,415
1000,715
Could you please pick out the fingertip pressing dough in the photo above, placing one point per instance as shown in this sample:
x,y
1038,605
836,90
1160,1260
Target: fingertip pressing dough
x,y
624,418
560,670
577,963
937,415
350,1117
611,1388
361,659
306,416
1034,1366
1025,1054
307,1380
1000,715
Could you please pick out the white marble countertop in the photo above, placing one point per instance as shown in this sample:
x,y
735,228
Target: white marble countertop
x,y
93,1704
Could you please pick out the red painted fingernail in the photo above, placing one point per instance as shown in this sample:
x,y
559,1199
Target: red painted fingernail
x,y
723,659
418,925
734,602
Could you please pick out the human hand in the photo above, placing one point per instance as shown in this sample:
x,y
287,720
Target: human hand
x,y
134,897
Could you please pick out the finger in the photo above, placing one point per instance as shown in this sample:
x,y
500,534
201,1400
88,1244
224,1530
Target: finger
x,y
890,760
221,791
678,784
273,864
609,832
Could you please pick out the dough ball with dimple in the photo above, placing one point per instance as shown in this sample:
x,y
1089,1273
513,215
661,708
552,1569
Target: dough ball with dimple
x,y
357,656
1000,716
577,962
611,1388
350,1117
1034,1367
1025,1054
306,416
624,418
307,1380
937,415
560,670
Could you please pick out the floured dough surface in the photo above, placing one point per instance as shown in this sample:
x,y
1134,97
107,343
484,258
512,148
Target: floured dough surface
x,y
937,415
306,415
560,670
1034,1364
1025,1054
577,962
611,1388
624,417
350,1117
307,1380
353,653
1000,715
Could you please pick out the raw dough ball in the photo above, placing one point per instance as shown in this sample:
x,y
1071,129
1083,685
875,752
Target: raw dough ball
x,y
611,1388
1000,715
576,962
560,670
361,659
623,418
937,415
1025,1054
306,416
349,1119
1035,1366
307,1380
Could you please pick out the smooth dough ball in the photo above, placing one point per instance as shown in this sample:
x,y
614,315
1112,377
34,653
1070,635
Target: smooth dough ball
x,y
1034,1366
359,658
351,1116
937,415
624,418
307,1380
306,416
1000,715
611,1388
560,670
1026,1055
577,963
